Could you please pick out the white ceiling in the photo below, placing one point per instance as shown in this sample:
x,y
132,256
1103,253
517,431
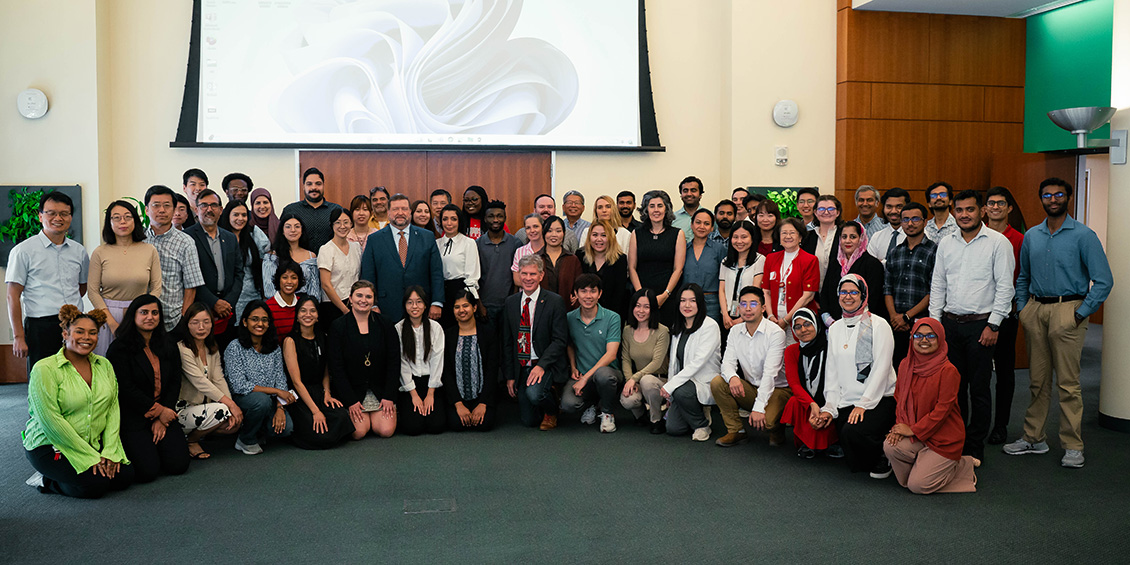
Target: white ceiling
x,y
998,8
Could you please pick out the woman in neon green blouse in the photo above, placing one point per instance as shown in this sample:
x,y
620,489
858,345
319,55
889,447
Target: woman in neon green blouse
x,y
72,433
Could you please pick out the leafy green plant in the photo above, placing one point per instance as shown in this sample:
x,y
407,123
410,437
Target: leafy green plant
x,y
786,202
24,222
140,210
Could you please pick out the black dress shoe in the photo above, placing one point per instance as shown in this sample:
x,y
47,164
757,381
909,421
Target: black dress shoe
x,y
659,427
998,436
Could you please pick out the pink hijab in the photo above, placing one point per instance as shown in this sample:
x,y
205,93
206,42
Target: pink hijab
x,y
847,262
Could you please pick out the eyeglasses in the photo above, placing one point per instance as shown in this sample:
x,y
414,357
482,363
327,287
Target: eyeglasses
x,y
749,304
117,219
849,293
1058,196
937,196
200,323
53,214
996,204
259,320
824,210
927,337
914,220
207,205
160,206
801,325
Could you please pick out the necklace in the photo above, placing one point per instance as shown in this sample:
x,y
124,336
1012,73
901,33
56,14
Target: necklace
x,y
367,358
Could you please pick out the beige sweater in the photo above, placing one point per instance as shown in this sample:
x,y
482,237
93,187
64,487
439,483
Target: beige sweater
x,y
647,358
123,273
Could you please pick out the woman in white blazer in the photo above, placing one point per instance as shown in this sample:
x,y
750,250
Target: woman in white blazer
x,y
696,358
860,388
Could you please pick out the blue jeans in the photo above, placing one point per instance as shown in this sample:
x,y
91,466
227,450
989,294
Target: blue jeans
x,y
258,410
534,401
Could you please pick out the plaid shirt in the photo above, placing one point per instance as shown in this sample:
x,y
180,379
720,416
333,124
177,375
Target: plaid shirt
x,y
909,273
180,269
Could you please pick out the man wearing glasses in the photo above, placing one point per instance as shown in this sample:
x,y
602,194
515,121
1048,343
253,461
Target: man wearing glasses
x,y
906,279
180,264
998,207
47,270
938,197
221,262
758,346
1064,278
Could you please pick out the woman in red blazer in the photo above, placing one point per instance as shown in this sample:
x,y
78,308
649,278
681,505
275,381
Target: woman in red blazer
x,y
794,269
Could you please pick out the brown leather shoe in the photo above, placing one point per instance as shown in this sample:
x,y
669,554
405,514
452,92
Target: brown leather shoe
x,y
548,423
731,439
776,437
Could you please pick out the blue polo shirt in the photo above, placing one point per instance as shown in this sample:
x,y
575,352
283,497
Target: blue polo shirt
x,y
590,341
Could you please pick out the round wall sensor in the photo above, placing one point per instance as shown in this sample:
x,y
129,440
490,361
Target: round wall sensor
x,y
785,113
32,103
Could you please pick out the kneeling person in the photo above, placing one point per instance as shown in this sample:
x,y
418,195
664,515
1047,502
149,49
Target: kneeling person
x,y
758,346
594,349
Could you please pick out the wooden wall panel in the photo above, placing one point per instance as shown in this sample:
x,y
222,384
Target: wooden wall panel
x,y
1021,173
886,46
349,173
1004,104
891,101
976,50
12,368
853,100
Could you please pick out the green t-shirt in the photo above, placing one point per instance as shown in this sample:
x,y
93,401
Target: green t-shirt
x,y
590,341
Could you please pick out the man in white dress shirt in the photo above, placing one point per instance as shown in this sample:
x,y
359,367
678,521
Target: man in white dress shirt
x,y
971,293
891,234
758,346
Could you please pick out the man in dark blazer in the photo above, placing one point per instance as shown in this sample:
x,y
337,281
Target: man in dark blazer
x,y
221,263
381,263
534,361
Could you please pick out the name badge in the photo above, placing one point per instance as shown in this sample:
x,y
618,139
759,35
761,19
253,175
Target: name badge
x,y
773,275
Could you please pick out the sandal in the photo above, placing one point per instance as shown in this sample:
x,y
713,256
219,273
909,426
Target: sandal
x,y
198,452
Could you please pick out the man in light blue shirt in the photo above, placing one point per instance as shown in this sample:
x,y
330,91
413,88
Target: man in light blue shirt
x,y
46,271
594,349
1064,278
690,192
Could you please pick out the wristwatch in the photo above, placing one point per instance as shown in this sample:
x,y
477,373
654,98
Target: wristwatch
x,y
906,318
994,327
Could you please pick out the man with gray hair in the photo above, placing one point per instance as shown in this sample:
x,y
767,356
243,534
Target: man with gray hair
x,y
866,201
574,205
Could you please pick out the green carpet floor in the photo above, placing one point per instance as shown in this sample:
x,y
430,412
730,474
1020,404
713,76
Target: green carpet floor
x,y
574,495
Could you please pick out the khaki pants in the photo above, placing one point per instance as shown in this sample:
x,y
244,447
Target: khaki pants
x,y
1054,343
728,405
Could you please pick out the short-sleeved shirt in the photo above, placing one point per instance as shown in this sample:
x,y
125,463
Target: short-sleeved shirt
x,y
495,260
49,273
180,269
344,269
316,221
590,341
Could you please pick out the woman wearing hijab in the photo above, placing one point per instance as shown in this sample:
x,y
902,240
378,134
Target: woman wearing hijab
x,y
859,392
851,256
804,367
924,446
263,212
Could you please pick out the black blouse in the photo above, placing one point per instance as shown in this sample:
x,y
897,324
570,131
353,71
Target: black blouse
x,y
360,363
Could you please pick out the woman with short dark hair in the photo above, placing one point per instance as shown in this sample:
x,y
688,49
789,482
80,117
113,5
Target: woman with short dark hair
x,y
657,253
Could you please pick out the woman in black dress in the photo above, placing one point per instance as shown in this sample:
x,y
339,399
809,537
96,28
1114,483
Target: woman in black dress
x,y
320,420
657,252
470,368
364,360
600,254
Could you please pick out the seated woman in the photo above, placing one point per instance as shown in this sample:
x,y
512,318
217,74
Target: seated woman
x,y
924,446
205,404
256,379
71,438
320,420
147,364
851,256
860,377
696,358
643,358
470,368
601,255
421,366
288,279
364,371
805,363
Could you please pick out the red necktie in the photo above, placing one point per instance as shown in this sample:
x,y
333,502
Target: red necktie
x,y
524,344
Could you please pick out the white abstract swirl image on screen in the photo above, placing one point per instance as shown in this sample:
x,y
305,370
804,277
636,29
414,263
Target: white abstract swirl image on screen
x,y
422,67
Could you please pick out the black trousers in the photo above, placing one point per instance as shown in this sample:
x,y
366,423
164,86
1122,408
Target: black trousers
x,y
456,425
863,441
410,422
975,364
902,346
451,289
59,477
44,337
327,313
1004,360
150,460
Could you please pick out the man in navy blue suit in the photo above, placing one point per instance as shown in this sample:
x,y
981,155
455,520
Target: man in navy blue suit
x,y
399,256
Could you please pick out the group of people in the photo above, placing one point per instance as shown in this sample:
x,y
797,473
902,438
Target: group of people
x,y
874,339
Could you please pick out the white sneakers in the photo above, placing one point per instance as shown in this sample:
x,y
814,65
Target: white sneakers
x,y
607,423
589,417
252,449
701,434
1024,447
1073,459
35,480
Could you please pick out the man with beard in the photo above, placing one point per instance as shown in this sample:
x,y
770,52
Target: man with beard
x,y
892,233
806,206
221,261
866,200
690,191
724,214
237,186
496,255
938,197
998,206
1064,278
378,201
738,197
907,276
626,205
399,256
314,210
971,293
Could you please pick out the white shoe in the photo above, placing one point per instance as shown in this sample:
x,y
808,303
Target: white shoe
x,y
607,423
701,434
589,417
36,480
743,412
252,449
